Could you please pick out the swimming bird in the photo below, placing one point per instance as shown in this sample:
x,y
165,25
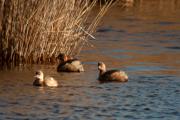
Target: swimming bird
x,y
111,75
40,80
69,64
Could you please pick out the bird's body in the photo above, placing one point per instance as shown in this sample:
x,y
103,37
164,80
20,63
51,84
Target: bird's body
x,y
69,64
111,75
40,80
50,81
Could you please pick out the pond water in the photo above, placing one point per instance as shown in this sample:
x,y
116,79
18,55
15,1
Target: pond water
x,y
143,40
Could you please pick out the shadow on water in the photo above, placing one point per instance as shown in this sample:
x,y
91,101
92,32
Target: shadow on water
x,y
143,40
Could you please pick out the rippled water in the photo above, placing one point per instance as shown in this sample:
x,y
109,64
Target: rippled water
x,y
142,41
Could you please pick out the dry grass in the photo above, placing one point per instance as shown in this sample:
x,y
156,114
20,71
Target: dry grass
x,y
36,31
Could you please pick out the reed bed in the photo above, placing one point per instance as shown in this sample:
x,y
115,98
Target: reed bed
x,y
36,31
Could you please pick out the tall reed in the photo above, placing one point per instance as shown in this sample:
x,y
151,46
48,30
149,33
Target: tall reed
x,y
36,31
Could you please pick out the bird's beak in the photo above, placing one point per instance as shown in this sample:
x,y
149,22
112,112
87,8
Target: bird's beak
x,y
37,76
99,67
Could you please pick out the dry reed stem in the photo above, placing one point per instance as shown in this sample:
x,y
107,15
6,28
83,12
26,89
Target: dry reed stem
x,y
37,31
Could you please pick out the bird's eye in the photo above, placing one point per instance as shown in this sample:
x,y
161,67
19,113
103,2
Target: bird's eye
x,y
100,64
37,73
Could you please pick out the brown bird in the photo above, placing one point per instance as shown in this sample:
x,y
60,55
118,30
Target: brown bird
x,y
69,64
111,75
41,81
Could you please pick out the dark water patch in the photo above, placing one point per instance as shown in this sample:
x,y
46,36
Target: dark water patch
x,y
165,23
110,29
166,41
130,117
177,91
146,46
120,31
174,47
147,109
153,95
107,29
171,35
